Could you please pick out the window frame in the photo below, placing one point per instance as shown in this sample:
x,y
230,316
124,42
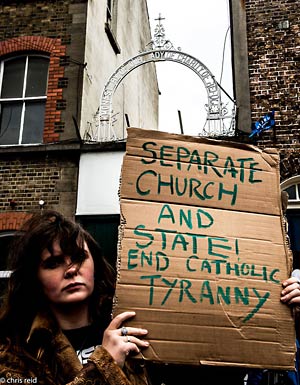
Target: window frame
x,y
293,181
23,99
293,218
5,274
111,24
109,8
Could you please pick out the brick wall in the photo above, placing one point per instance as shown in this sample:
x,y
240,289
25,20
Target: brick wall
x,y
26,180
273,30
50,27
38,18
12,220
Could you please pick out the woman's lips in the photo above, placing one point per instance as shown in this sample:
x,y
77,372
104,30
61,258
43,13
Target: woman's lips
x,y
73,286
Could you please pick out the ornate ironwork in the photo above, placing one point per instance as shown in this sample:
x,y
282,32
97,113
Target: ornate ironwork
x,y
159,42
220,121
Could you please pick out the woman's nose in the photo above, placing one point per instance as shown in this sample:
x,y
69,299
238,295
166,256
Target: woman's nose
x,y
71,269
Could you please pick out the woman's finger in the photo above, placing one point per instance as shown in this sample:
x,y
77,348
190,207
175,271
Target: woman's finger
x,y
289,282
120,318
292,284
130,331
137,342
291,294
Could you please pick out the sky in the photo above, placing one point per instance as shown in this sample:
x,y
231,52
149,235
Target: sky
x,y
201,29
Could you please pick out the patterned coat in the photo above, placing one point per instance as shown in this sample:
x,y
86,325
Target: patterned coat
x,y
50,359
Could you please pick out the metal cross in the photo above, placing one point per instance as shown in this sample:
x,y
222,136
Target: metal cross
x,y
160,18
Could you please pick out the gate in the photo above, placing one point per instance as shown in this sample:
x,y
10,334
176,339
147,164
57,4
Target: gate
x,y
220,120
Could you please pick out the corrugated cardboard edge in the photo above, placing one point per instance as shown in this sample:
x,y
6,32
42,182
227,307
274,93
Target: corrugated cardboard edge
x,y
120,239
288,253
284,223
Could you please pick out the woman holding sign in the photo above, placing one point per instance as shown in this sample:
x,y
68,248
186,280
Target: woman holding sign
x,y
55,321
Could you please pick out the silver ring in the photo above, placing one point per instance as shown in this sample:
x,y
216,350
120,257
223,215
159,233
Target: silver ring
x,y
128,339
124,331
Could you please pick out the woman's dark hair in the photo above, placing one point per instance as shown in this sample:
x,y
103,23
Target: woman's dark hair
x,y
24,297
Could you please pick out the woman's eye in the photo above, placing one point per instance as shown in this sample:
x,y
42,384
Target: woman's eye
x,y
52,262
80,258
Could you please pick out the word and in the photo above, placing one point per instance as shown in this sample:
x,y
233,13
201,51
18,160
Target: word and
x,y
193,241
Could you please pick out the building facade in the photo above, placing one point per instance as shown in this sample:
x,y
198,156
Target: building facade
x,y
273,45
55,58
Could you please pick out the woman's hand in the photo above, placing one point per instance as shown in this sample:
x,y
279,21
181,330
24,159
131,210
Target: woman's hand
x,y
120,341
291,291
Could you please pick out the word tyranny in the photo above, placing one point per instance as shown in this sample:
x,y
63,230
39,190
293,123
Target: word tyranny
x,y
208,292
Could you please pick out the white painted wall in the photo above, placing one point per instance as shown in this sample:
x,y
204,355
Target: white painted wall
x,y
98,183
137,95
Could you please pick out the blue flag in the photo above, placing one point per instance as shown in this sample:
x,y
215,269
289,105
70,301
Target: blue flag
x,y
265,123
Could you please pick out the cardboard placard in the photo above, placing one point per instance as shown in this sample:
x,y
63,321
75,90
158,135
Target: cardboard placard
x,y
203,251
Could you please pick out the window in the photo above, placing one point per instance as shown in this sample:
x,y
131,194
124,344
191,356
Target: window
x,y
111,24
109,12
293,192
6,238
292,187
23,83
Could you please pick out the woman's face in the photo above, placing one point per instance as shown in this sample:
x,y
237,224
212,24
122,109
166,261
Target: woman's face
x,y
63,282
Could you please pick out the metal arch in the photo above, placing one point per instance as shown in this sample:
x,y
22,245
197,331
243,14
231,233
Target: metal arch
x,y
215,110
159,50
